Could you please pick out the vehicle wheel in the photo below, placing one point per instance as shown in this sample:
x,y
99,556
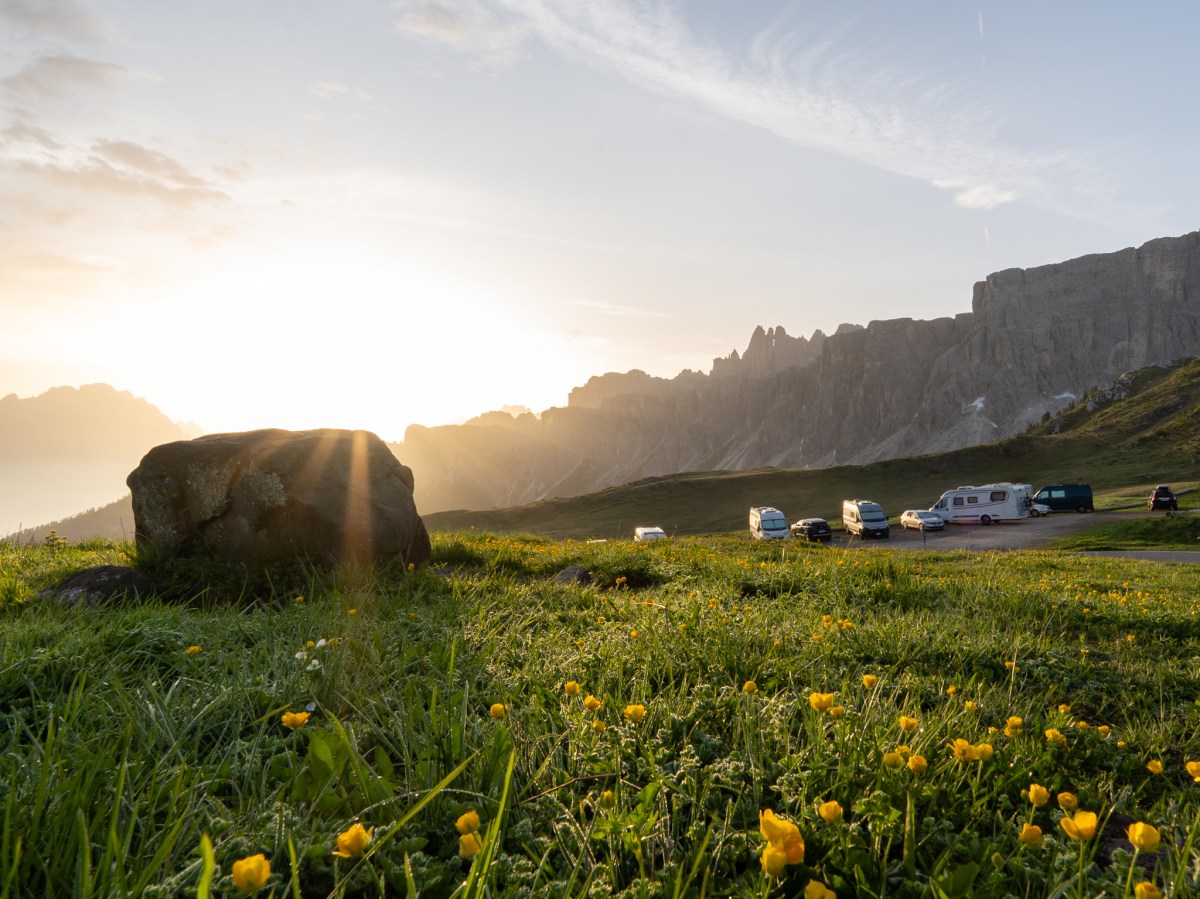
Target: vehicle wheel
x,y
985,519
1034,513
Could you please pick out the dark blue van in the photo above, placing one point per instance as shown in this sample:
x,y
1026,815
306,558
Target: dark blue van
x,y
1066,497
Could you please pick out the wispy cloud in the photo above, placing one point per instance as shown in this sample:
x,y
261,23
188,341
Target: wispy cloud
x,y
616,309
817,90
57,76
329,90
466,25
121,168
56,19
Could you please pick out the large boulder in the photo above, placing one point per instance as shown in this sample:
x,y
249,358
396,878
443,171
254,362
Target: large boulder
x,y
261,497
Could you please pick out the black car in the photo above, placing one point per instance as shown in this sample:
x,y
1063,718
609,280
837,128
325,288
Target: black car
x,y
812,529
1162,498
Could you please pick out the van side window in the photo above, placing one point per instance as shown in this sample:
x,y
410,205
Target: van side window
x,y
972,499
999,496
1058,494
958,500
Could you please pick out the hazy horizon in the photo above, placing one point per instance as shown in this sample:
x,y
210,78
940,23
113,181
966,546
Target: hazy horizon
x,y
301,215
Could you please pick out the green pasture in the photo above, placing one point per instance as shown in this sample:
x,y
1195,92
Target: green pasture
x,y
143,750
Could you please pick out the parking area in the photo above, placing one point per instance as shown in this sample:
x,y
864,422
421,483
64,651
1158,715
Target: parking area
x,y
1029,533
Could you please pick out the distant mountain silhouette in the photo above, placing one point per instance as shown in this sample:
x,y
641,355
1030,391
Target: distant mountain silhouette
x,y
71,448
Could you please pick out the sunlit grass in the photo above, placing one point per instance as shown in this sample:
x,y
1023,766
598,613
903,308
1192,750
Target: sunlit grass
x,y
130,734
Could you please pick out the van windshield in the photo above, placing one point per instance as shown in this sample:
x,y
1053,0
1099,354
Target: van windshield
x,y
774,524
872,515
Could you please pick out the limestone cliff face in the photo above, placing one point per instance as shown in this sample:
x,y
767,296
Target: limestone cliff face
x,y
1035,340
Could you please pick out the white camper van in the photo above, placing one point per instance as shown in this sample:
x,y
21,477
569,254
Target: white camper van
x,y
767,522
985,504
864,518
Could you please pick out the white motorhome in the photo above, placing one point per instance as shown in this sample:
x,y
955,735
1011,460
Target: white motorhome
x,y
767,522
985,504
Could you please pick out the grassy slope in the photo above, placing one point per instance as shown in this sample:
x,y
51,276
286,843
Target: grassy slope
x,y
119,749
1121,449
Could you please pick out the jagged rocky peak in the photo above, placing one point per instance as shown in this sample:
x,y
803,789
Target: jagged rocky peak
x,y
771,350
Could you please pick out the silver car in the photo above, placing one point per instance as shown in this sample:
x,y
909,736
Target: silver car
x,y
921,520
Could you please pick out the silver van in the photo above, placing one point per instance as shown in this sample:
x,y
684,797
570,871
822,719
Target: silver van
x,y
864,518
767,522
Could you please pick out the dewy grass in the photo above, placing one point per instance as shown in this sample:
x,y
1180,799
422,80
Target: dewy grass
x,y
143,749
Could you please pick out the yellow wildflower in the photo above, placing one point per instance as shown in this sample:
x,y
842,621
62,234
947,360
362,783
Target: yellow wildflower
x,y
1038,795
591,703
571,687
869,680
635,712
971,705
353,841
908,725
817,890
1146,890
1064,708
1143,836
917,764
1014,726
294,720
1031,835
1104,730
1053,735
785,845
599,726
251,872
469,845
1067,801
468,822
1080,827
607,799
498,710
837,711
1154,766
951,690
1193,768
193,650
821,702
750,687
830,811
893,760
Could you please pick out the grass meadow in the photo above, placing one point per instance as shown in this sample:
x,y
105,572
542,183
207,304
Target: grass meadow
x,y
709,717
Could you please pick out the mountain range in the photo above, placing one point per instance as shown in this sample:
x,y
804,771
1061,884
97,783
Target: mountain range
x,y
71,448
1034,341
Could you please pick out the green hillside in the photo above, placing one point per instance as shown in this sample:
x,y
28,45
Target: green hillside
x,y
1121,447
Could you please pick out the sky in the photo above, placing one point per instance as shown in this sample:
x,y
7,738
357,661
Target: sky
x,y
308,213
